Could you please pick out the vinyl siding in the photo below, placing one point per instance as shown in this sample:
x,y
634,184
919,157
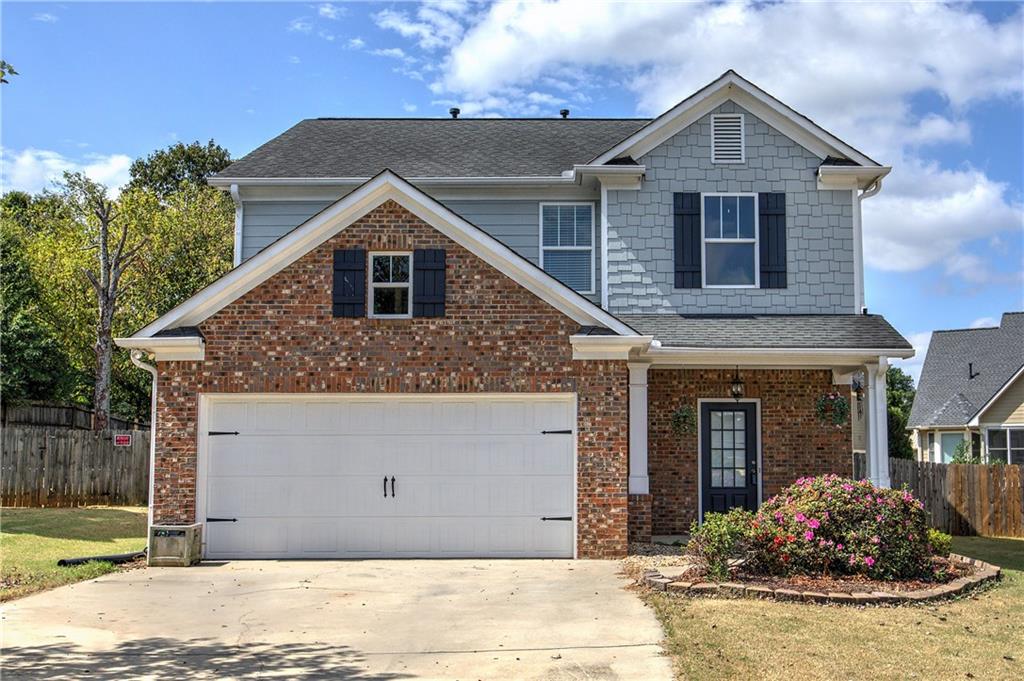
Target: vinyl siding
x,y
514,222
1009,408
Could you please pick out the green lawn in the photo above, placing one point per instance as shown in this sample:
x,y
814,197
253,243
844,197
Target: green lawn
x,y
980,637
33,539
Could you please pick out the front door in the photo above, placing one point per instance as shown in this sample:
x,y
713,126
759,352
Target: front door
x,y
728,450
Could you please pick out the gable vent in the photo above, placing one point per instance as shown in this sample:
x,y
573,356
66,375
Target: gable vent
x,y
727,139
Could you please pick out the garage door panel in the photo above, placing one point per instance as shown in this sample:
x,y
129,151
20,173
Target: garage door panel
x,y
473,477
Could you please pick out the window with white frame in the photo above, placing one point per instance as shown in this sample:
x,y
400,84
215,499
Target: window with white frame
x,y
390,287
567,243
730,241
1006,445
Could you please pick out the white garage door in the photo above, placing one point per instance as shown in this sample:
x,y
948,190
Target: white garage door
x,y
388,476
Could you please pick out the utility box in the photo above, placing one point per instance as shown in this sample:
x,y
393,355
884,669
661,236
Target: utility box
x,y
175,545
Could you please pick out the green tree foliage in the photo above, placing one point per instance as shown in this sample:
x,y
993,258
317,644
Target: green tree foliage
x,y
165,171
6,70
899,397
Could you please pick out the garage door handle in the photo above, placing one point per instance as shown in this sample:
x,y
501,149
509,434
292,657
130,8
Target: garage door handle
x,y
392,487
557,517
222,520
385,487
556,432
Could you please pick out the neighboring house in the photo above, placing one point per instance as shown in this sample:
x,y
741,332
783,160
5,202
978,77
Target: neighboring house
x,y
972,389
456,337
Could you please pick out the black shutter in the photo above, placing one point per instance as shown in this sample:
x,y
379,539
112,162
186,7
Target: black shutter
x,y
772,217
686,237
349,295
428,286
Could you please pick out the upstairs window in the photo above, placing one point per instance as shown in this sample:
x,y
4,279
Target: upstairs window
x,y
567,243
390,288
727,139
730,241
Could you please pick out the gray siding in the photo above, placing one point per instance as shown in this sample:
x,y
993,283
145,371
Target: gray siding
x,y
819,226
514,222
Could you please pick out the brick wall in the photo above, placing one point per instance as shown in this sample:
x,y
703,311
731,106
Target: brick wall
x,y
794,442
640,528
495,337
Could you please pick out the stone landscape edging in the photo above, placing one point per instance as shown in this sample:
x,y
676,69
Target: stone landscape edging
x,y
983,574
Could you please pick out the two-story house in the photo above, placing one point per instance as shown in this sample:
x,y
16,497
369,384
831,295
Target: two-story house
x,y
520,337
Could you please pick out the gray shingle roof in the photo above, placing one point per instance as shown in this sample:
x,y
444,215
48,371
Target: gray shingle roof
x,y
436,147
769,331
946,395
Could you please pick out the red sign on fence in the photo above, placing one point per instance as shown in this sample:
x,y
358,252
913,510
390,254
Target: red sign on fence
x,y
122,439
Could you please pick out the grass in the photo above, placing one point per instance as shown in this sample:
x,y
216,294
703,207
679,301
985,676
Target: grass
x,y
980,637
33,539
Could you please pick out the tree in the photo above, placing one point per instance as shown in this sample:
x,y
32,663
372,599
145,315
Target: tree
x,y
165,171
107,235
899,398
6,70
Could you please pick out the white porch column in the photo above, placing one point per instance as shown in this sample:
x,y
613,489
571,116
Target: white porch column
x,y
877,423
638,481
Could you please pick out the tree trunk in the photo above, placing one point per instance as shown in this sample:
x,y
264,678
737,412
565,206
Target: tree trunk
x,y
104,360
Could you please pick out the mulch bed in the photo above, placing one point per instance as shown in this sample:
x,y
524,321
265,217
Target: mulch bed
x,y
856,584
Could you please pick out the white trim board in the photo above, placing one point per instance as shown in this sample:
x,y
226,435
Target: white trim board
x,y
339,215
732,86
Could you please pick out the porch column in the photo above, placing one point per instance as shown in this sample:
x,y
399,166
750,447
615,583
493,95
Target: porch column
x,y
877,440
638,481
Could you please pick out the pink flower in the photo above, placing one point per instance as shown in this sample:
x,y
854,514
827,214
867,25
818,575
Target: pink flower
x,y
839,547
869,561
875,539
800,517
808,535
878,518
847,487
813,524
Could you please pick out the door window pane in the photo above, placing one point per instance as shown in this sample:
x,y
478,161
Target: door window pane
x,y
727,444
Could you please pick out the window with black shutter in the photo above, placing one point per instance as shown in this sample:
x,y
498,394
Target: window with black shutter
x,y
348,296
428,287
686,239
772,237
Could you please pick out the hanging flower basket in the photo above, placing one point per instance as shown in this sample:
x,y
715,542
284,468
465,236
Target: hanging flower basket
x,y
684,421
833,408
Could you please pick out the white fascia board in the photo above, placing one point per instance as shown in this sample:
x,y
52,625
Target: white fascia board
x,y
976,419
794,357
731,86
607,347
167,349
226,182
850,177
347,210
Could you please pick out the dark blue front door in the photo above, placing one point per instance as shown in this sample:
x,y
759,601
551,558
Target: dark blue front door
x,y
728,456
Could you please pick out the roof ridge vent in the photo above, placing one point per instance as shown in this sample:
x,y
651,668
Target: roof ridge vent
x,y
727,138
454,111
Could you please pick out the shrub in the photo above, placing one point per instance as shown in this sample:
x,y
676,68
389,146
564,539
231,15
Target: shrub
x,y
940,542
721,537
832,525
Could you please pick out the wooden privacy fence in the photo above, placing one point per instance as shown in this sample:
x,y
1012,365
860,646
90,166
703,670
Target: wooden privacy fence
x,y
962,499
66,415
66,467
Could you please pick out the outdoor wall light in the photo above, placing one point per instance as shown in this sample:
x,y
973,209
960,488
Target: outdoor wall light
x,y
736,389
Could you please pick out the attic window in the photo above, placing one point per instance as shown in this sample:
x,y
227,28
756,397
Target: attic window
x,y
727,139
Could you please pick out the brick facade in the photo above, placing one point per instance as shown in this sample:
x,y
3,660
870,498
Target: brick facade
x,y
794,442
495,337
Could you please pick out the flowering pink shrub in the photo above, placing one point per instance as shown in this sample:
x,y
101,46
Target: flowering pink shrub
x,y
832,525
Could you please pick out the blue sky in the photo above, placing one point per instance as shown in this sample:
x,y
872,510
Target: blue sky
x,y
933,90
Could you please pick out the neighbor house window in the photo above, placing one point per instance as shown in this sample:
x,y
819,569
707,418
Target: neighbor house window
x,y
390,294
948,442
730,240
567,243
1006,445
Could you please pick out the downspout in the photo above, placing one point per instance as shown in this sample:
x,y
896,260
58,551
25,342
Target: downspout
x,y
136,357
239,211
858,243
604,246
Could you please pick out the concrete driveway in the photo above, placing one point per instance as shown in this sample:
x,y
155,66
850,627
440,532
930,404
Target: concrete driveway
x,y
441,619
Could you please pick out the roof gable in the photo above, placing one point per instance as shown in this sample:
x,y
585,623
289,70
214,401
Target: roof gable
x,y
340,214
964,370
732,86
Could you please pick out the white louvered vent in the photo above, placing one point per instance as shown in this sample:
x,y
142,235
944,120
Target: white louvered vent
x,y
727,139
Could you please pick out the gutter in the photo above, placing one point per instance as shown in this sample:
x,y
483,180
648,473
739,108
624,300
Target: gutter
x,y
136,357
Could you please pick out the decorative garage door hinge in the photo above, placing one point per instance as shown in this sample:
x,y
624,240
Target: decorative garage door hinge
x,y
557,517
223,432
556,432
222,520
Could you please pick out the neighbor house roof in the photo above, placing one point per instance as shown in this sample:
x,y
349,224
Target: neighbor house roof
x,y
965,369
347,148
861,332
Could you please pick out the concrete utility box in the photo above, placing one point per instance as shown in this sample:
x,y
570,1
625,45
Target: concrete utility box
x,y
175,545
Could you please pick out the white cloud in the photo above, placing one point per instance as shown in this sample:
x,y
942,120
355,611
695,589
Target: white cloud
x,y
33,170
294,60
356,43
983,322
45,17
328,10
409,108
913,365
508,56
300,25
394,53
